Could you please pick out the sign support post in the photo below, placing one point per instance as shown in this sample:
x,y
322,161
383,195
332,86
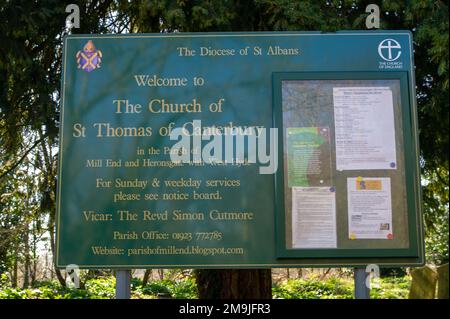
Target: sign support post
x,y
362,288
123,283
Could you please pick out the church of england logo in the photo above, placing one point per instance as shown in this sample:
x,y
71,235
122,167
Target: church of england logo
x,y
89,58
389,50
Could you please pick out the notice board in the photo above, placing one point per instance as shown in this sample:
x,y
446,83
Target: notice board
x,y
238,150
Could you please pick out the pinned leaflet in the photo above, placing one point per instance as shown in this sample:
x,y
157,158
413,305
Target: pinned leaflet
x,y
364,128
369,208
313,217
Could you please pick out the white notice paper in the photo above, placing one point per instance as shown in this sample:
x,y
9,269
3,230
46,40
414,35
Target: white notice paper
x,y
369,208
364,128
313,217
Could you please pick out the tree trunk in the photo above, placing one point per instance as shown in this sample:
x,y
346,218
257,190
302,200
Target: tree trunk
x,y
325,273
52,245
16,266
35,258
26,272
234,283
49,170
147,274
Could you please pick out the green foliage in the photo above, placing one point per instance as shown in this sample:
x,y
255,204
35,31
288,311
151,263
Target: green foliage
x,y
104,288
186,289
101,288
43,290
155,288
391,288
333,288
436,211
178,289
338,288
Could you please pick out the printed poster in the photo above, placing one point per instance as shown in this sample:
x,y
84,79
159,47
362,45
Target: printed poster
x,y
369,208
308,156
364,128
313,217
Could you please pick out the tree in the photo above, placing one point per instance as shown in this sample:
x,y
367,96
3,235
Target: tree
x,y
234,283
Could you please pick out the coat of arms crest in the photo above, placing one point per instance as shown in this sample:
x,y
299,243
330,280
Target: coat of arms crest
x,y
89,58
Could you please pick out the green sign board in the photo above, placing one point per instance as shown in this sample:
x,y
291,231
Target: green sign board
x,y
274,149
